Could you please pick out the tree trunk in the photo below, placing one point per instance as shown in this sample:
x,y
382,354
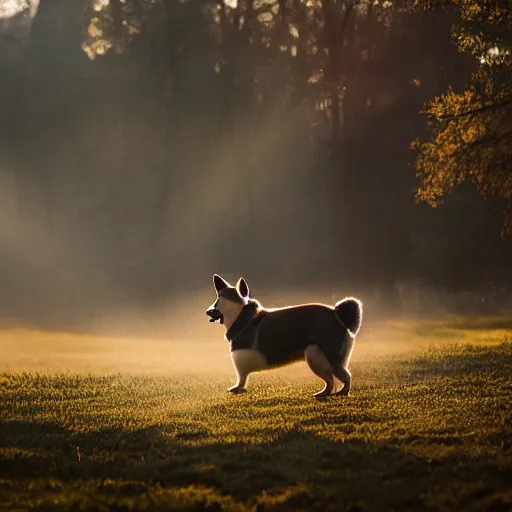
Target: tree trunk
x,y
53,65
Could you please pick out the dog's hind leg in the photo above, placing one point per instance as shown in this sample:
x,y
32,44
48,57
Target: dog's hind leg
x,y
321,367
344,375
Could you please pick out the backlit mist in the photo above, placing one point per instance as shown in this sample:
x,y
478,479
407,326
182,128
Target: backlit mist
x,y
146,145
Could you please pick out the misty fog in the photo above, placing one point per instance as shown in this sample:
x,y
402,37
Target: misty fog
x,y
145,146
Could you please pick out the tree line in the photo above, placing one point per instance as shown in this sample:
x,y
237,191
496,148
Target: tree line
x,y
147,136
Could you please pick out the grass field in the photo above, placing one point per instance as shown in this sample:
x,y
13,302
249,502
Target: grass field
x,y
427,427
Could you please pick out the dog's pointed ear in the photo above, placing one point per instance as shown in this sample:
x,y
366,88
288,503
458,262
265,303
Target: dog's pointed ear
x,y
242,288
219,283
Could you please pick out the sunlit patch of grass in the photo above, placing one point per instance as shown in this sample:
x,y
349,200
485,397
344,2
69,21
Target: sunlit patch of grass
x,y
439,332
425,431
448,329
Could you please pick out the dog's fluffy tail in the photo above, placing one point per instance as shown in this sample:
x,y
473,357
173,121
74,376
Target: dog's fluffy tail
x,y
350,312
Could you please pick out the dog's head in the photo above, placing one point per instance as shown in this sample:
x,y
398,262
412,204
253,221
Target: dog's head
x,y
230,300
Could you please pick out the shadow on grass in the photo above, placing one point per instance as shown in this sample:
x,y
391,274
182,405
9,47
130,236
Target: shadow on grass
x,y
187,468
297,470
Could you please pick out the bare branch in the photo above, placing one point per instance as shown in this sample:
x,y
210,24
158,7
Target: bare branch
x,y
490,106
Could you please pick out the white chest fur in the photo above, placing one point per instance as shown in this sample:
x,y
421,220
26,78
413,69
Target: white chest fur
x,y
247,360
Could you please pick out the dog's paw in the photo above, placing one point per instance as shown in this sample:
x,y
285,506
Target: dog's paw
x,y
318,396
236,390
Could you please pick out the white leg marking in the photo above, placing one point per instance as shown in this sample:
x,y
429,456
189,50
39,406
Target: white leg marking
x,y
245,362
321,367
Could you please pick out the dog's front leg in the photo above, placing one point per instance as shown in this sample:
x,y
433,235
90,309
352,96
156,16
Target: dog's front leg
x,y
246,361
239,387
241,374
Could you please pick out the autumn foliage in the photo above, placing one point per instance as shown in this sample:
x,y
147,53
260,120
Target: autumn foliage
x,y
471,130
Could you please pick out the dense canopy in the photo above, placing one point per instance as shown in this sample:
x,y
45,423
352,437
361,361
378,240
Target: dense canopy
x,y
472,129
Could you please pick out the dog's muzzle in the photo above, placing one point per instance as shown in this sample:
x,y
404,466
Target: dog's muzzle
x,y
215,315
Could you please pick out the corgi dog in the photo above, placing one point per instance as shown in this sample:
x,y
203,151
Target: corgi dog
x,y
262,339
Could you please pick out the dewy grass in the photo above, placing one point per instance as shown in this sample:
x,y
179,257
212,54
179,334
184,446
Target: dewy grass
x,y
428,431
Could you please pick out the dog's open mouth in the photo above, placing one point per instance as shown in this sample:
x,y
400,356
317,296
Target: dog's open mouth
x,y
215,315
